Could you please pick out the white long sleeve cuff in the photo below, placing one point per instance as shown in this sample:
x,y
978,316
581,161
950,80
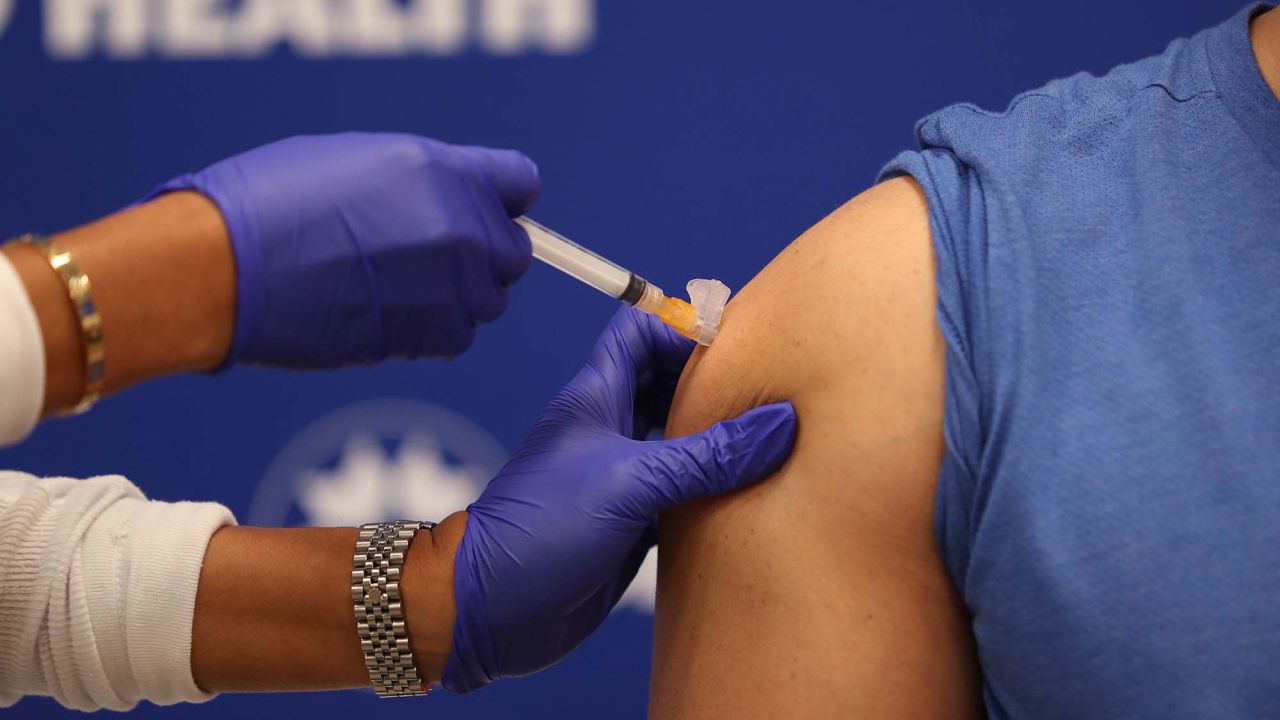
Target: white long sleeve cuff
x,y
21,359
97,591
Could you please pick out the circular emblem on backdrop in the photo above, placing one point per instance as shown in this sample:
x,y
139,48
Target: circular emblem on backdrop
x,y
390,459
6,11
378,460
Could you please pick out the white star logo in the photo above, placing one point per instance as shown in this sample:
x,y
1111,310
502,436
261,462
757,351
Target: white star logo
x,y
369,482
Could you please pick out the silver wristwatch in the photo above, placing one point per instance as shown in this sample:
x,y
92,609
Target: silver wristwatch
x,y
375,590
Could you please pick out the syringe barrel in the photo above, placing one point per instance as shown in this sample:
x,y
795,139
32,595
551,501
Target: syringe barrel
x,y
573,259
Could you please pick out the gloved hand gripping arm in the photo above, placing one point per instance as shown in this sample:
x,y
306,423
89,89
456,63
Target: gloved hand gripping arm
x,y
559,534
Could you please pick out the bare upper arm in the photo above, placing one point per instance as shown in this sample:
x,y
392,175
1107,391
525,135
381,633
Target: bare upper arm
x,y
820,591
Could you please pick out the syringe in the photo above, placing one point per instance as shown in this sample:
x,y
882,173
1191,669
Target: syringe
x,y
572,259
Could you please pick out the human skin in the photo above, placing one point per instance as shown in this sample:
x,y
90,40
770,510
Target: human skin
x,y
1264,33
163,278
820,593
273,610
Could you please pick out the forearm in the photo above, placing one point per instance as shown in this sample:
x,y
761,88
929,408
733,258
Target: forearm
x,y
163,278
274,609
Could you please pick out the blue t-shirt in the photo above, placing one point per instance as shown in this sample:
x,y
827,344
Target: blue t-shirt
x,y
1108,270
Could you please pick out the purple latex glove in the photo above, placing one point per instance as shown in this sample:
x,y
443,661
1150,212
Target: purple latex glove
x,y
354,248
559,534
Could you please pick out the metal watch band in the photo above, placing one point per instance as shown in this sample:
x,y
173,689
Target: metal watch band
x,y
375,591
80,290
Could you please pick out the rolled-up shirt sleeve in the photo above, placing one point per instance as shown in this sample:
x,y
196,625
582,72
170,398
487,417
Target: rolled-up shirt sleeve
x,y
21,359
97,591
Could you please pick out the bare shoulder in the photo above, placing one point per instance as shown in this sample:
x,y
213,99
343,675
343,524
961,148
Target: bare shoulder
x,y
852,296
820,592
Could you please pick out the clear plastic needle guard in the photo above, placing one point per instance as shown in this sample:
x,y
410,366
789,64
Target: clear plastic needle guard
x,y
698,321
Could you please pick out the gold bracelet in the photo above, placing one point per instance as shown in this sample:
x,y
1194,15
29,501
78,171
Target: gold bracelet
x,y
80,292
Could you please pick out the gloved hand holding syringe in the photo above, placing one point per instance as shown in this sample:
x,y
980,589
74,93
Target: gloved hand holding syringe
x,y
698,321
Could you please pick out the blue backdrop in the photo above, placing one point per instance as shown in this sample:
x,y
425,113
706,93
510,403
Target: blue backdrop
x,y
683,139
